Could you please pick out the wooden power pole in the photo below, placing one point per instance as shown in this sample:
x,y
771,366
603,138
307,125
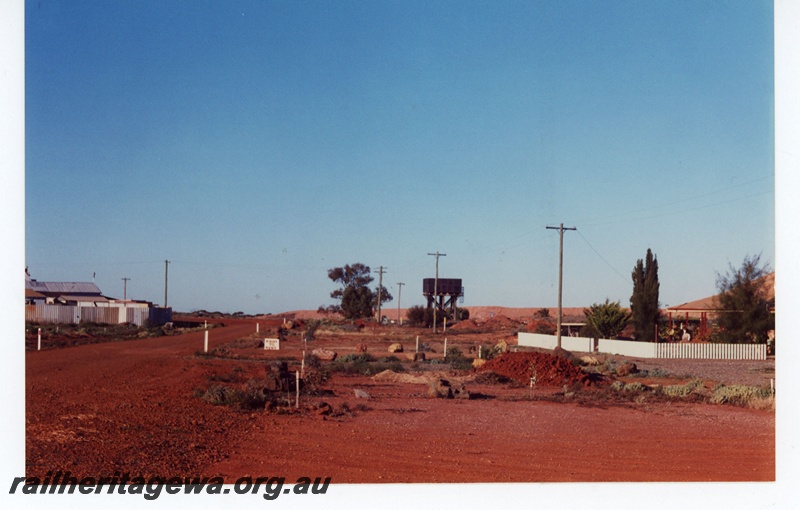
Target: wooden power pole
x,y
125,289
399,293
561,230
380,288
436,286
166,278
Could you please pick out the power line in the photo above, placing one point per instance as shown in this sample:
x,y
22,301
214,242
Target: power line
x,y
602,258
625,216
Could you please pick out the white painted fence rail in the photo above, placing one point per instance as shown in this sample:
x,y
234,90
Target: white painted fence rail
x,y
647,349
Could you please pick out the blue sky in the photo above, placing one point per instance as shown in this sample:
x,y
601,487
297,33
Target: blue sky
x,y
258,144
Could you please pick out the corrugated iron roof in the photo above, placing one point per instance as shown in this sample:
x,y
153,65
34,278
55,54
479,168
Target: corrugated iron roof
x,y
72,288
30,293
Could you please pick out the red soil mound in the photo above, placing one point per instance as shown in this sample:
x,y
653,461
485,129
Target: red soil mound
x,y
468,324
500,321
551,370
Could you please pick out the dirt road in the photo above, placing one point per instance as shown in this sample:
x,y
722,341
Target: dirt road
x,y
133,407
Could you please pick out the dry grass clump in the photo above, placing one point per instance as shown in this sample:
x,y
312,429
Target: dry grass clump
x,y
750,396
683,390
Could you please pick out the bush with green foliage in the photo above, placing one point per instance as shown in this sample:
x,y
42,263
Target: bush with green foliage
x,y
416,315
606,320
422,316
457,360
743,291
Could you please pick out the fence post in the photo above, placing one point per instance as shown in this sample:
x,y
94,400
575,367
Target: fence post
x,y
205,342
40,339
297,390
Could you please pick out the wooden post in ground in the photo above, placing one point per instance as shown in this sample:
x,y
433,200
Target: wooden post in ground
x,y
40,339
297,390
205,342
416,349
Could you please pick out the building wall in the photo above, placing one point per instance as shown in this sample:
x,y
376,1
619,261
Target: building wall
x,y
59,314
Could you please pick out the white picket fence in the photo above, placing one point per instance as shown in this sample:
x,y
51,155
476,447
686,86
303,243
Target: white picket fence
x,y
647,349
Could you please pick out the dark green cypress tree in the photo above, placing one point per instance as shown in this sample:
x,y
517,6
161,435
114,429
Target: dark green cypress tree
x,y
644,300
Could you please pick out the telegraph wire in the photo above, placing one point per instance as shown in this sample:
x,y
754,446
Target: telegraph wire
x,y
591,221
601,257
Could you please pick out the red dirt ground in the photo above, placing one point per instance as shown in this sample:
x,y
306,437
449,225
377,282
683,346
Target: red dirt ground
x,y
133,407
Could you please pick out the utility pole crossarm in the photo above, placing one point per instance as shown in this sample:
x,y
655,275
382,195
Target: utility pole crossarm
x,y
561,230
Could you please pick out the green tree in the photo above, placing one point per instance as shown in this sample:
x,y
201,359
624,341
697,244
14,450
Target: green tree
x,y
644,300
606,320
743,292
357,299
416,315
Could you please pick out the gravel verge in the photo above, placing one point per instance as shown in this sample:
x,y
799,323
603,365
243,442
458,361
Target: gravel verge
x,y
728,372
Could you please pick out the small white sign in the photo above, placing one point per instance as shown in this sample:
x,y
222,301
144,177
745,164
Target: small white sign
x,y
272,344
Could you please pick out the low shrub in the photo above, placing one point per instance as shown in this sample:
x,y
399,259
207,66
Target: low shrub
x,y
739,394
356,358
683,390
635,387
364,364
655,372
456,359
219,395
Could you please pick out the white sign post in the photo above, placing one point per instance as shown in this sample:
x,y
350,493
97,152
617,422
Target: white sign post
x,y
205,342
